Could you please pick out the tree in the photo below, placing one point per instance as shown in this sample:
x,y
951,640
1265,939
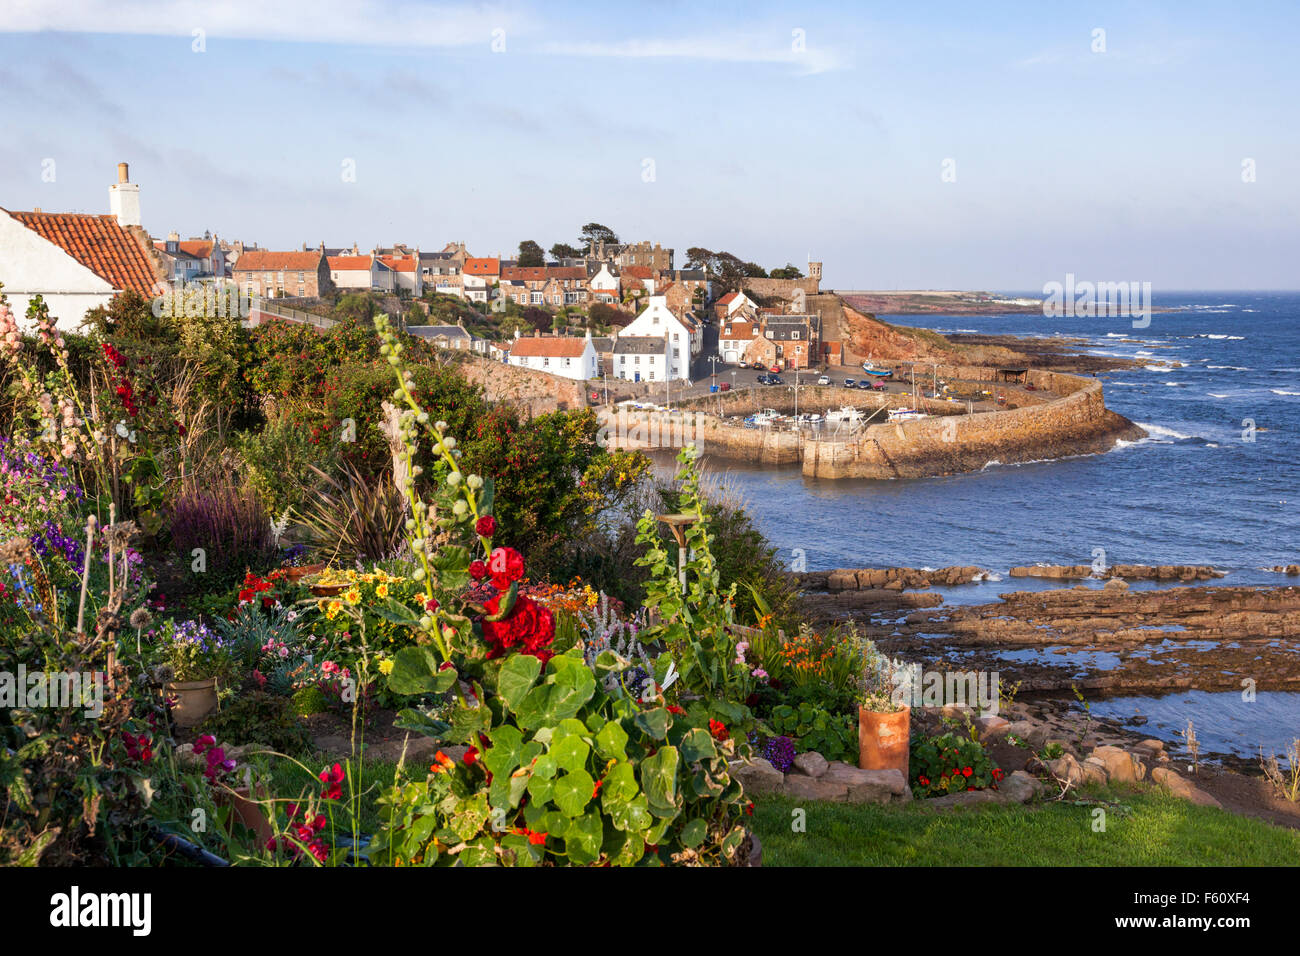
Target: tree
x,y
530,254
753,270
697,257
788,271
562,250
593,233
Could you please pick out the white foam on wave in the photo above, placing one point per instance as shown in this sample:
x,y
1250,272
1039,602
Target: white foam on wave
x,y
1217,335
1282,391
1176,384
1233,368
1162,431
1216,395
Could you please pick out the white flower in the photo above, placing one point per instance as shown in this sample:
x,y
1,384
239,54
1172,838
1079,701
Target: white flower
x,y
122,430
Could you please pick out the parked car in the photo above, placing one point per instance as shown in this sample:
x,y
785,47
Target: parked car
x,y
824,380
850,383
774,380
876,386
762,379
775,369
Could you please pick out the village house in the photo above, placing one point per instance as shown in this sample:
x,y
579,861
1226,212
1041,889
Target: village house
x,y
399,272
734,302
604,285
479,277
552,286
684,334
262,272
734,336
787,341
352,271
78,261
180,265
641,358
566,356
447,336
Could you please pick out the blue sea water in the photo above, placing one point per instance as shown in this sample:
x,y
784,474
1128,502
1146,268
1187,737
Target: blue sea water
x,y
1196,491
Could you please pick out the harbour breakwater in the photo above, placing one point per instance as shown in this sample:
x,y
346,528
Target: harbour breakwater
x,y
1063,415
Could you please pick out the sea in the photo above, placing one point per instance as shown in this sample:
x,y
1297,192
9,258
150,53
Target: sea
x,y
1217,482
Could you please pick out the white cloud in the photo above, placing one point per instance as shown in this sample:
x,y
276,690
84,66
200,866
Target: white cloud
x,y
733,49
366,22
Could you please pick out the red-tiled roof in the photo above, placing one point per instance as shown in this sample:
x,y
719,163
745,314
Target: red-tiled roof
x,y
348,263
638,272
399,265
542,273
99,243
549,346
482,267
263,260
196,247
727,299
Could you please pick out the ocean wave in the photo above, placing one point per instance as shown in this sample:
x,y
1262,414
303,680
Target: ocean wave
x,y
1217,335
1176,384
1158,368
1234,368
1162,431
1282,391
1216,395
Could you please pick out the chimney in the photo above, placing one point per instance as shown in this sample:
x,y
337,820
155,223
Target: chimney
x,y
124,198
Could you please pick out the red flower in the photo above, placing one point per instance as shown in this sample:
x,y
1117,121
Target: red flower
x,y
471,755
676,711
530,628
505,566
595,791
718,729
749,809
333,777
477,570
431,605
536,839
925,781
485,526
966,771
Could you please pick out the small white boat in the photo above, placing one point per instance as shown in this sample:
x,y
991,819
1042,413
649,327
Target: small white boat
x,y
846,413
905,415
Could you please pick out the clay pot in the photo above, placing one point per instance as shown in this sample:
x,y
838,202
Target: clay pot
x,y
884,740
294,575
327,590
195,700
245,808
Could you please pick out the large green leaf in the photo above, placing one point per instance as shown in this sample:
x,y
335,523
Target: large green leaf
x,y
583,838
415,671
659,781
655,722
697,745
569,685
611,741
694,832
573,792
518,675
420,723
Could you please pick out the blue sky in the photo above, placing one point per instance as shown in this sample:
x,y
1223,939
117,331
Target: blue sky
x,y
775,131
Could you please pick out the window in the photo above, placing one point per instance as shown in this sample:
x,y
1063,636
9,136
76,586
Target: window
x,y
537,298
652,375
794,334
638,360
622,360
302,277
655,321
676,353
568,362
546,362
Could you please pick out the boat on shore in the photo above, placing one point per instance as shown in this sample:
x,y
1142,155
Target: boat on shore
x,y
870,369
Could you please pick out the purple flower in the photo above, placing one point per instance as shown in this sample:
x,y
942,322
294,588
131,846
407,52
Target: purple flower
x,y
779,752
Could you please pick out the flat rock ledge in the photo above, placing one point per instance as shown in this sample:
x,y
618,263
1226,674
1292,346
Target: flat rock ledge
x,y
813,777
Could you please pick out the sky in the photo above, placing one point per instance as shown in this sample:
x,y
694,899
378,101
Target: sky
x,y
907,146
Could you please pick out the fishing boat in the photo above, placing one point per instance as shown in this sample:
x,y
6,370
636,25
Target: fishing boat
x,y
846,413
905,415
878,372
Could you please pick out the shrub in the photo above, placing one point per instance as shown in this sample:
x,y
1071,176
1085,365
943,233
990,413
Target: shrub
x,y
232,529
951,764
255,717
834,736
279,458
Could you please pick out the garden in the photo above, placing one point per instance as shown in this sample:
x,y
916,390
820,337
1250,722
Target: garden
x,y
220,546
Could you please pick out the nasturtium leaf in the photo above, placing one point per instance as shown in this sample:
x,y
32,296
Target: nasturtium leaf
x,y
573,792
570,752
655,722
697,744
659,781
693,833
517,677
415,671
611,741
583,838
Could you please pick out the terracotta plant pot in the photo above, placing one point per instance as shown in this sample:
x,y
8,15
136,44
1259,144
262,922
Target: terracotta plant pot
x,y
295,575
245,808
884,740
327,590
195,700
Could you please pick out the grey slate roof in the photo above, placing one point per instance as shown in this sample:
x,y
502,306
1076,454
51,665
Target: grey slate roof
x,y
640,345
436,331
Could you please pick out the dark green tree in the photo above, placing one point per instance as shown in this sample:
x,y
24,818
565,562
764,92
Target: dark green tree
x,y
530,254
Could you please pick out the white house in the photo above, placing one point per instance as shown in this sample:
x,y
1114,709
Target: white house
x,y
354,272
77,261
641,358
734,336
735,301
684,335
566,356
604,285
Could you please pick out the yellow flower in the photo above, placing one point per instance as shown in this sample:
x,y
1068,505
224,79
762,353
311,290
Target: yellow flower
x,y
386,666
353,596
382,590
334,608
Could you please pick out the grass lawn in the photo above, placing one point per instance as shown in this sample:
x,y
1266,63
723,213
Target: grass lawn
x,y
1142,829
291,782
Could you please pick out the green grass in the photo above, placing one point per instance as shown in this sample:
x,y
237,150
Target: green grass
x,y
290,782
1142,829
